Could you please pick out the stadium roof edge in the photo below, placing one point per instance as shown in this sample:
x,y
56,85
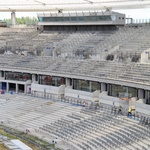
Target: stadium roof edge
x,y
70,5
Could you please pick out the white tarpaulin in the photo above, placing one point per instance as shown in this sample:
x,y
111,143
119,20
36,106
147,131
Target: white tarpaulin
x,y
21,145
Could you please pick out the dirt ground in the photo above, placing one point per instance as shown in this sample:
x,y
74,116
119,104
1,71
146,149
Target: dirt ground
x,y
2,147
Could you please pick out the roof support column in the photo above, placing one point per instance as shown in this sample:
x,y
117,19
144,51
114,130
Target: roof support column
x,y
13,18
17,88
25,89
7,87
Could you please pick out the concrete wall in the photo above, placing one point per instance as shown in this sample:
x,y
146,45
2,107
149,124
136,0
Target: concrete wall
x,y
62,89
48,89
33,77
96,95
28,82
142,108
44,88
104,98
132,102
78,94
145,56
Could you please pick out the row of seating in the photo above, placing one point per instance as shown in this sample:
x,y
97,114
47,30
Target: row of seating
x,y
101,69
79,128
79,44
101,131
14,38
138,42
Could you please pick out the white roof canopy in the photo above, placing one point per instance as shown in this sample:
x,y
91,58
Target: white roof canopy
x,y
70,5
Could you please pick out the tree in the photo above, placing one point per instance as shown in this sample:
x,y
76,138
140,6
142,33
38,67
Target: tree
x,y
23,20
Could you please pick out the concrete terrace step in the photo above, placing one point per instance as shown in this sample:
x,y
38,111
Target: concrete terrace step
x,y
24,112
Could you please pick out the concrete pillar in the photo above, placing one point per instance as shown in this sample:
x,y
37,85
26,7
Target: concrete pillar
x,y
33,77
90,86
38,78
140,93
16,88
68,82
0,82
0,73
72,82
25,89
13,18
103,87
4,75
7,87
54,53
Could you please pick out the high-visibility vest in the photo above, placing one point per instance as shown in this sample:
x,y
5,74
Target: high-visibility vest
x,y
120,107
129,110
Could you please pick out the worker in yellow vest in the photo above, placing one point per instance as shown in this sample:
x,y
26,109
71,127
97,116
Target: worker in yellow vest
x,y
129,111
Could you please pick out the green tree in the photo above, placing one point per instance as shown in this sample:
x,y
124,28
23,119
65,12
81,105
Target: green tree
x,y
23,20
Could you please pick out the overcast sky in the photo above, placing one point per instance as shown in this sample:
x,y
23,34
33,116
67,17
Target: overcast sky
x,y
135,14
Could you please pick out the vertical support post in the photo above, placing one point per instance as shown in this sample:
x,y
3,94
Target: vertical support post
x,y
103,87
7,87
140,93
16,88
13,18
25,89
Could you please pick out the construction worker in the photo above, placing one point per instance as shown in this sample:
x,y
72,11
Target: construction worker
x,y
120,110
129,111
114,109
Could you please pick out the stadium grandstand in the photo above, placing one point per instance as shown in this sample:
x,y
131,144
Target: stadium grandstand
x,y
79,80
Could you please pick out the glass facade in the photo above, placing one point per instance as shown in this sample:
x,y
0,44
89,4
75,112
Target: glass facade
x,y
147,96
84,85
18,76
49,80
114,17
122,91
75,18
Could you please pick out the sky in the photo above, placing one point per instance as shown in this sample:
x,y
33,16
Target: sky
x,y
135,14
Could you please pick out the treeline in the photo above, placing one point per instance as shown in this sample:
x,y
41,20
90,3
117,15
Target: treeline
x,y
23,20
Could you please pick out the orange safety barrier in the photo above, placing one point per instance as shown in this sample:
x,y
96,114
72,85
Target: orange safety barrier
x,y
125,98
